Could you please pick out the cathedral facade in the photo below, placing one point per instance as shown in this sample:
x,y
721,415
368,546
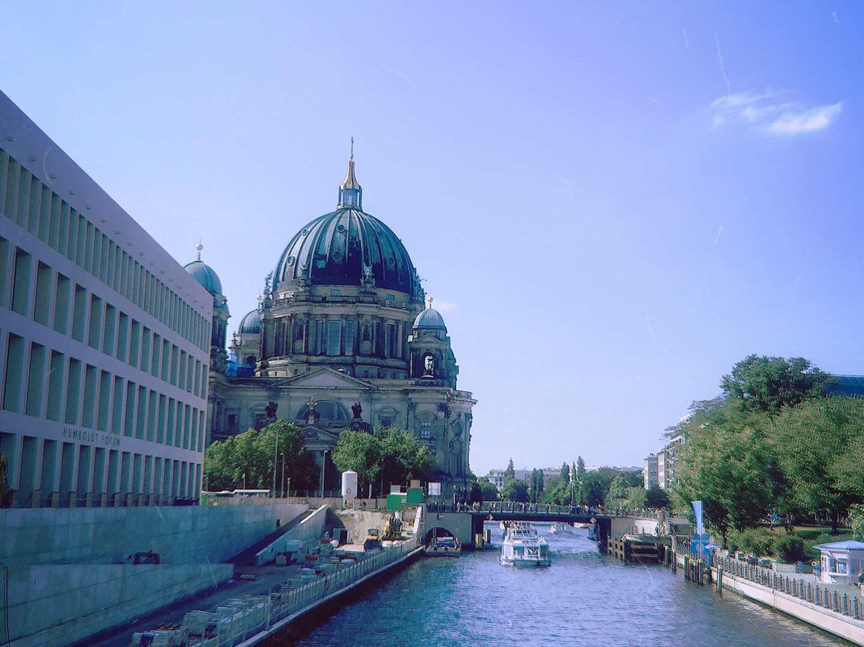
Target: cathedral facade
x,y
343,338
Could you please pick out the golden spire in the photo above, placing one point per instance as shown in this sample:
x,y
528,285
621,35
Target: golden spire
x,y
350,191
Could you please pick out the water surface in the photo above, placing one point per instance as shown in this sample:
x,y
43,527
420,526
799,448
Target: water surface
x,y
584,598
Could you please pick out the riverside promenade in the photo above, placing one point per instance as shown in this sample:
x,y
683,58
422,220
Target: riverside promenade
x,y
836,609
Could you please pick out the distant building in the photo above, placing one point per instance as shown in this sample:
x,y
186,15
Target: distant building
x,y
848,385
496,477
104,340
650,470
666,460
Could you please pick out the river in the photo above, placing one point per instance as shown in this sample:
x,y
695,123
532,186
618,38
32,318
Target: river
x,y
584,598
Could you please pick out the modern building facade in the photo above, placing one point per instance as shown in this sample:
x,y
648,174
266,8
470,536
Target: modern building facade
x,y
649,474
343,338
666,460
104,341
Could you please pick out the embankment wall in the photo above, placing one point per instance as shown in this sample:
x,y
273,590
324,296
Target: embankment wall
x,y
181,535
58,605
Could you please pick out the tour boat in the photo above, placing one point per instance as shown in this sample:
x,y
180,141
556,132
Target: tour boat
x,y
524,548
561,528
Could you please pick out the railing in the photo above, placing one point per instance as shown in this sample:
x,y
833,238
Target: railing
x,y
543,508
823,596
246,621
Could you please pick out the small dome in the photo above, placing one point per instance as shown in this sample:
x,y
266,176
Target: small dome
x,y
250,324
205,275
430,319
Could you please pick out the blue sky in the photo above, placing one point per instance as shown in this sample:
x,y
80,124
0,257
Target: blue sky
x,y
611,202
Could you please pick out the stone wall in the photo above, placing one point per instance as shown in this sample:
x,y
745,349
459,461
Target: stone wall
x,y
57,605
181,535
311,528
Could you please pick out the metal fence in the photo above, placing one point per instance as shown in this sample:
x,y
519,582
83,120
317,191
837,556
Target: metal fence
x,y
821,596
246,621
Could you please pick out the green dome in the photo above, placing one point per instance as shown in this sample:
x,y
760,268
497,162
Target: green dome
x,y
205,275
430,319
251,323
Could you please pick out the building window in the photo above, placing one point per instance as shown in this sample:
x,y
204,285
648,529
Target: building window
x,y
425,430
21,282
14,364
334,337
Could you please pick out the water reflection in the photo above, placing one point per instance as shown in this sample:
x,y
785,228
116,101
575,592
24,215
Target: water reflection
x,y
585,598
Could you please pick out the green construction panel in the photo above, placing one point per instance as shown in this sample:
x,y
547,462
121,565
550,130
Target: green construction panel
x,y
396,501
415,496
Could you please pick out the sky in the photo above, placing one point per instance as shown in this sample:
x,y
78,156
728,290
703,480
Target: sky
x,y
611,202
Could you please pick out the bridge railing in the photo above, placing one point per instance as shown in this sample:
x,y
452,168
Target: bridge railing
x,y
512,507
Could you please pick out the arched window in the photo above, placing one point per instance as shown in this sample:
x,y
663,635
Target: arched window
x,y
424,425
250,360
330,411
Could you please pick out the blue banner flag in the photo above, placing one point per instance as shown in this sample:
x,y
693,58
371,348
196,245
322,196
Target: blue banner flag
x,y
697,510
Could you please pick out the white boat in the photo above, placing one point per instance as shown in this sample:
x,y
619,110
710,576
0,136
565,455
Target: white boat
x,y
524,548
561,529
581,524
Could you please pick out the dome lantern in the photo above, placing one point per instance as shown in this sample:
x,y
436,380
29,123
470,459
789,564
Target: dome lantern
x,y
350,191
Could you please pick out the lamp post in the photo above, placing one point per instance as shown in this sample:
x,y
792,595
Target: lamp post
x,y
283,474
275,462
323,471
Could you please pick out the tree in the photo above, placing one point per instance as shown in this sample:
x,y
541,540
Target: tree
x,y
510,472
759,383
487,489
580,469
728,465
656,497
819,444
565,472
361,452
515,491
594,488
250,457
403,457
617,494
536,486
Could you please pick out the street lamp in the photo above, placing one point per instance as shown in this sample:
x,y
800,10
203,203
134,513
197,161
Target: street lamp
x,y
283,474
323,471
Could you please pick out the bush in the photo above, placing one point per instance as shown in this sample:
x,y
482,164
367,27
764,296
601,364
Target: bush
x,y
789,549
757,541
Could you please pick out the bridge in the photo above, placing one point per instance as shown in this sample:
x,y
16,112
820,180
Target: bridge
x,y
464,522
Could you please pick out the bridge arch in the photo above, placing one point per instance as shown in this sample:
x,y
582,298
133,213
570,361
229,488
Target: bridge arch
x,y
437,531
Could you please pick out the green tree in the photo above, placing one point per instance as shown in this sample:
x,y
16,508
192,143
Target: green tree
x,y
565,472
729,466
618,492
767,384
515,490
856,520
487,489
819,444
580,469
387,456
594,488
656,497
403,457
250,456
536,486
361,452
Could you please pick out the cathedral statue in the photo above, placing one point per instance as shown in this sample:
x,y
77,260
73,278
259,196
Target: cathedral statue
x,y
356,409
428,366
270,410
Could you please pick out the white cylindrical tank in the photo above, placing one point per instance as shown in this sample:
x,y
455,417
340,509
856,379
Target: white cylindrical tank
x,y
349,485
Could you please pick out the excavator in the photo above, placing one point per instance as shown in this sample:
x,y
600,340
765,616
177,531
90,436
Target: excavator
x,y
392,531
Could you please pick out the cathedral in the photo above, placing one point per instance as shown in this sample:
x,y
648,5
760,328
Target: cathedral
x,y
343,338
